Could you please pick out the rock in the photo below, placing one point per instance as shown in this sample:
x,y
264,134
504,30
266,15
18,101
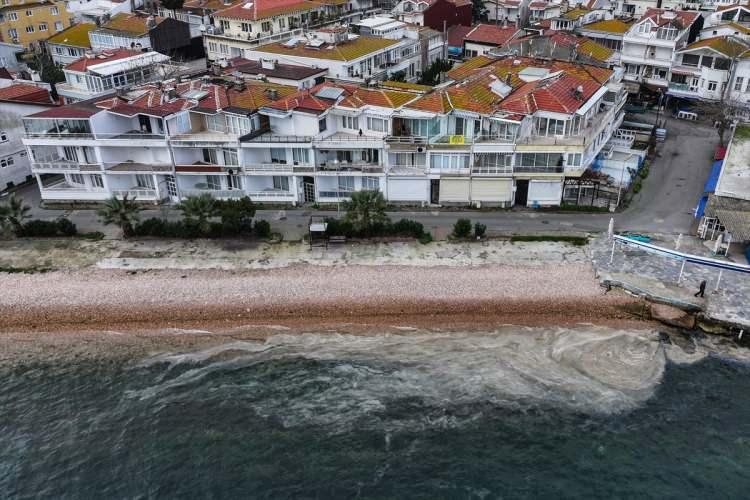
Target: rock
x,y
714,327
672,316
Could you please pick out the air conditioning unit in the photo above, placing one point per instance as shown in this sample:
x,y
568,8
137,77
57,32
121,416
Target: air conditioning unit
x,y
420,150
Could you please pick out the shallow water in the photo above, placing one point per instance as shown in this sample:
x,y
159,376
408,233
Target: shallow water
x,y
519,413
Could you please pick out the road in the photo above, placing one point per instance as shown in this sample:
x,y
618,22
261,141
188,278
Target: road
x,y
664,205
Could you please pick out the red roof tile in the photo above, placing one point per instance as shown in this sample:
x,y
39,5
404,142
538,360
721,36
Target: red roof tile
x,y
22,92
70,111
82,64
491,34
253,10
5,74
682,19
555,94
456,35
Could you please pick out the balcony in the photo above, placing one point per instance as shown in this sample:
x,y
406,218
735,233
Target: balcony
x,y
405,139
334,196
127,138
272,168
216,193
658,82
349,141
538,170
451,172
208,168
491,170
682,88
137,194
452,141
61,166
350,167
407,170
61,190
495,139
204,138
268,137
134,167
272,196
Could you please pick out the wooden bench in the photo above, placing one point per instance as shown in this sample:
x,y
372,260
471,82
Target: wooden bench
x,y
337,240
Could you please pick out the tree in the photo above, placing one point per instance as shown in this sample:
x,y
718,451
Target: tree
x,y
13,213
398,76
478,10
365,209
237,215
199,210
431,76
122,213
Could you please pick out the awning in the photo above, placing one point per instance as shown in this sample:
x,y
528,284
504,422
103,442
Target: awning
x,y
701,208
713,177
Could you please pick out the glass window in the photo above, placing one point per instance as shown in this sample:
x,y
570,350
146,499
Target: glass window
x,y
29,13
370,183
29,28
712,86
247,27
281,183
96,181
265,26
76,179
54,11
12,16
42,26
278,155
300,156
738,83
346,183
213,182
377,124
13,34
322,125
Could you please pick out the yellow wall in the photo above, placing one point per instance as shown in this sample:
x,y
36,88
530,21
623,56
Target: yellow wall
x,y
41,13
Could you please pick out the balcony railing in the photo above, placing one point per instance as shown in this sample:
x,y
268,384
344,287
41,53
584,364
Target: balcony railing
x,y
405,139
350,167
65,166
269,137
261,195
484,170
495,138
125,136
136,194
334,195
539,170
682,87
59,135
269,167
216,193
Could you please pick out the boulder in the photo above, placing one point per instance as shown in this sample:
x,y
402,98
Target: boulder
x,y
672,316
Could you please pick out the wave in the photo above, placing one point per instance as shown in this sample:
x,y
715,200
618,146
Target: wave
x,y
340,380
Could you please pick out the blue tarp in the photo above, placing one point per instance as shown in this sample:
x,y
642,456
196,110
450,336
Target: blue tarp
x,y
713,177
701,207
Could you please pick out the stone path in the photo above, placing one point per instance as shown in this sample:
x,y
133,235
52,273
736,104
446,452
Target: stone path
x,y
638,269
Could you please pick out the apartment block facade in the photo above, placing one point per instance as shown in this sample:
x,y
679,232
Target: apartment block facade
x,y
507,132
29,23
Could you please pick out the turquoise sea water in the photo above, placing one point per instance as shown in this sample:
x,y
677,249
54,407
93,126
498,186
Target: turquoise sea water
x,y
524,413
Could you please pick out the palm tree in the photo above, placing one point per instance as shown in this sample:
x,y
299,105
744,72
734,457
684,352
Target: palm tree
x,y
365,209
122,212
199,210
14,212
4,222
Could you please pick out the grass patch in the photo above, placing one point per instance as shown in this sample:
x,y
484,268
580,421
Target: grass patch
x,y
578,241
24,270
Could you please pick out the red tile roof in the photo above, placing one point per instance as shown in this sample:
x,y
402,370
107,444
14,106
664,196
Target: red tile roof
x,y
69,111
5,74
82,64
285,71
491,34
555,94
456,35
24,93
682,19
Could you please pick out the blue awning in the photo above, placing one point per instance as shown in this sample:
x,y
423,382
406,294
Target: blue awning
x,y
713,177
701,207
455,50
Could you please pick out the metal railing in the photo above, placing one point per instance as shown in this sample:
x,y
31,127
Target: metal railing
x,y
216,193
405,139
495,138
483,170
269,194
59,135
349,138
539,170
61,165
137,194
333,195
269,167
268,137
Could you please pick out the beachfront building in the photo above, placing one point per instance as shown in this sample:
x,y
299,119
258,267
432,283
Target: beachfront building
x,y
506,131
70,44
435,14
703,69
30,23
98,74
16,101
650,45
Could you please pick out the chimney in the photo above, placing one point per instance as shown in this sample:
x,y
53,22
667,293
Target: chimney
x,y
508,78
273,94
239,85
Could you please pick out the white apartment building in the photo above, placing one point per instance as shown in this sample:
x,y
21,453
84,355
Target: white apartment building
x,y
16,101
71,44
97,74
649,46
91,11
508,132
703,68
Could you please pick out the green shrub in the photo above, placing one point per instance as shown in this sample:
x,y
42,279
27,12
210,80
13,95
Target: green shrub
x,y
406,227
637,185
48,229
425,238
336,227
479,230
151,227
262,229
462,228
66,228
94,236
644,172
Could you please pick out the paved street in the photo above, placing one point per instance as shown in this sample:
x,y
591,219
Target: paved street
x,y
665,205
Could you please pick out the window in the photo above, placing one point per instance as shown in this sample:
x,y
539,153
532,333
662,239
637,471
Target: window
x,y
59,26
230,157
265,26
738,83
377,124
370,183
224,25
278,155
346,184
54,11
6,162
212,47
322,125
690,59
247,27
12,16
574,159
213,182
282,24
721,63
449,161
712,86
350,122
76,179
29,28
551,126
42,26
144,181
706,61
239,125
29,13
59,51
96,181
3,137
540,161
300,156
234,182
13,34
223,48
5,2
281,183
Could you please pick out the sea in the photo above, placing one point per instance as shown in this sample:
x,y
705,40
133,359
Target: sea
x,y
517,412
